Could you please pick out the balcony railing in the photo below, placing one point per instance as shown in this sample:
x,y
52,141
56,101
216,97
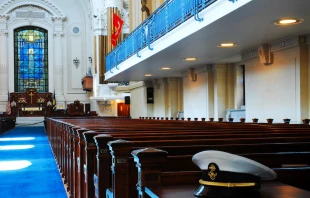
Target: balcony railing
x,y
168,16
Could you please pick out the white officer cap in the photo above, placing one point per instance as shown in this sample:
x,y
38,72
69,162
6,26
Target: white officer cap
x,y
222,171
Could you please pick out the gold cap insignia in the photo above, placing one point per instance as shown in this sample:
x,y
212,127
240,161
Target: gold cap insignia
x,y
212,173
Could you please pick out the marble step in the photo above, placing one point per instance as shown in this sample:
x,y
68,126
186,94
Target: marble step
x,y
37,121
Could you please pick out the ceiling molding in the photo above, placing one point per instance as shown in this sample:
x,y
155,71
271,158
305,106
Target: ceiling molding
x,y
130,87
10,5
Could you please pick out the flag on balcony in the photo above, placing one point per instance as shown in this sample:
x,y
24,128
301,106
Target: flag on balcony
x,y
116,28
54,100
8,106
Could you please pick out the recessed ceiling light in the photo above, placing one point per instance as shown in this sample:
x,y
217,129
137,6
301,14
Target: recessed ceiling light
x,y
288,21
227,45
148,75
165,68
189,59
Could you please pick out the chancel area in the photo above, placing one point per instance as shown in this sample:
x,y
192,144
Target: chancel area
x,y
131,90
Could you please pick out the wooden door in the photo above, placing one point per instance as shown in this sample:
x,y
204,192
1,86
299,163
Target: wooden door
x,y
123,110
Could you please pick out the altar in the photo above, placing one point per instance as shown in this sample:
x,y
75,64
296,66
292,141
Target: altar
x,y
31,103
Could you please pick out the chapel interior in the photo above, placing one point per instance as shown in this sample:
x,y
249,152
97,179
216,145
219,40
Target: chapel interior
x,y
230,60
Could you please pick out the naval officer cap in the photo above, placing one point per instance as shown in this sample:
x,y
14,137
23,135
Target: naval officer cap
x,y
229,175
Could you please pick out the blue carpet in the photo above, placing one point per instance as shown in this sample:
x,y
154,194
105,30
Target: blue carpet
x,y
39,176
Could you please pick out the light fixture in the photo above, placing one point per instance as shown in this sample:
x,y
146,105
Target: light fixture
x,y
227,45
190,59
148,75
165,68
288,21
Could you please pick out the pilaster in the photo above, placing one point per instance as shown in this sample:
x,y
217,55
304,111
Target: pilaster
x,y
211,89
4,87
58,58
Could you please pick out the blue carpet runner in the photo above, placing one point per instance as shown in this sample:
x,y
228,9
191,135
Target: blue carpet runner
x,y
27,166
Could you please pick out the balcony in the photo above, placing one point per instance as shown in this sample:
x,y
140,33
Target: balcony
x,y
153,33
194,28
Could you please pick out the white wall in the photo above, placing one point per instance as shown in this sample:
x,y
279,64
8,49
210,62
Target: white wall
x,y
195,96
159,99
271,90
64,46
138,106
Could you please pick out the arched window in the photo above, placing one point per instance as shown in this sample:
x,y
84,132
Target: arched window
x,y
30,59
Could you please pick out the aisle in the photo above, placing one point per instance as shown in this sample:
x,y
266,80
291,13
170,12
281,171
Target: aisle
x,y
27,166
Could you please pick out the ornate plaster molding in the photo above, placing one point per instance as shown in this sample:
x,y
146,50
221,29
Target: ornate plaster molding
x,y
284,44
3,33
58,34
4,16
131,86
113,4
252,53
62,19
10,5
278,45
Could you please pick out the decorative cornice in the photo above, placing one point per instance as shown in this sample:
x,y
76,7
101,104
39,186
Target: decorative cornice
x,y
284,44
62,19
39,3
278,46
114,4
58,34
4,16
211,67
221,67
252,53
3,33
131,86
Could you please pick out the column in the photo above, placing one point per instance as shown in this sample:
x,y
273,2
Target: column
x,y
4,74
211,91
221,91
135,14
304,79
58,60
173,97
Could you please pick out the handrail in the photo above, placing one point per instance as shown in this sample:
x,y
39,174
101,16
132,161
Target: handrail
x,y
167,17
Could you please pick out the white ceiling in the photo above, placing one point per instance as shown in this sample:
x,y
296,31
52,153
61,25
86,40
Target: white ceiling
x,y
248,26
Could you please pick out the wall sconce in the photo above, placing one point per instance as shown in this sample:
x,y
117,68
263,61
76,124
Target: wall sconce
x,y
90,59
144,8
76,62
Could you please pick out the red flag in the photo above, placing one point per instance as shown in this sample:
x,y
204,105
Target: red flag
x,y
8,106
116,29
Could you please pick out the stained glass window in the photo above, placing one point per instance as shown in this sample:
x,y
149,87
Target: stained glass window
x,y
30,59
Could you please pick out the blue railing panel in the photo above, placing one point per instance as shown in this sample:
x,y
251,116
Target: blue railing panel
x,y
168,16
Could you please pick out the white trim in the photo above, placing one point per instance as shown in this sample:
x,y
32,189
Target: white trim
x,y
46,4
41,24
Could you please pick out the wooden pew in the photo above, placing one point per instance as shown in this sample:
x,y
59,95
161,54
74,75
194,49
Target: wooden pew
x,y
65,161
150,164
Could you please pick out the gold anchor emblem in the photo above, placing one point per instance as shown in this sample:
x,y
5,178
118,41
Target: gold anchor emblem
x,y
211,174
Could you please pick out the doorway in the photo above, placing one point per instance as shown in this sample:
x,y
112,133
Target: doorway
x,y
123,110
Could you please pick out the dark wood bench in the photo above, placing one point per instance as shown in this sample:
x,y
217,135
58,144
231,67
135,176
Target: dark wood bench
x,y
152,179
66,155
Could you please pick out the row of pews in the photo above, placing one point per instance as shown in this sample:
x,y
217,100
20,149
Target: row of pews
x,y
6,123
120,158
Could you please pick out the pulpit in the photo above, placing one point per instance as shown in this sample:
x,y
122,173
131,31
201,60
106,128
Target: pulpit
x,y
30,103
87,83
75,108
